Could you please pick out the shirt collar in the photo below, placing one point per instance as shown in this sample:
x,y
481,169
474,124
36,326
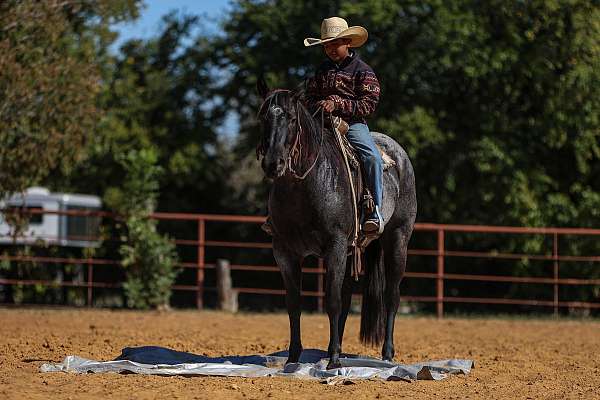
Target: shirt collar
x,y
351,57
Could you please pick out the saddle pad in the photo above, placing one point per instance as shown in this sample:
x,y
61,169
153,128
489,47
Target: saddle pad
x,y
353,156
387,160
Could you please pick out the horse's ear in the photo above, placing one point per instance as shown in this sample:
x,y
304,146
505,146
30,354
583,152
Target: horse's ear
x,y
261,86
299,93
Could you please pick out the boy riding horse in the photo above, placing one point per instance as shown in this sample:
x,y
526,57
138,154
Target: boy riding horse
x,y
347,87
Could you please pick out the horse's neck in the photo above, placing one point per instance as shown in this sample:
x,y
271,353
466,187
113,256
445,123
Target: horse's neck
x,y
321,201
326,171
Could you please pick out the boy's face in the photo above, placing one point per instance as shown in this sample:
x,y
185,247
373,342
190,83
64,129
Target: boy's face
x,y
337,49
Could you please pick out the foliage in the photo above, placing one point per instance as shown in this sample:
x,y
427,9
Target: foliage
x,y
149,257
23,269
497,104
486,98
49,80
156,95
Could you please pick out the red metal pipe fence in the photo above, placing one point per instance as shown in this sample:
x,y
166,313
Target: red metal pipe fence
x,y
440,253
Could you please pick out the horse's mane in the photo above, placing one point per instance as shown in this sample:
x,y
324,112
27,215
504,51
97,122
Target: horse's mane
x,y
315,136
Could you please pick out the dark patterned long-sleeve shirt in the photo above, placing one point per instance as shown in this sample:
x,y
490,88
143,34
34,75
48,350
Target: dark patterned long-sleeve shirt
x,y
352,85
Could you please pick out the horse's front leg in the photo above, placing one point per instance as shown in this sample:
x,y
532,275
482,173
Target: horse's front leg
x,y
346,300
290,266
335,260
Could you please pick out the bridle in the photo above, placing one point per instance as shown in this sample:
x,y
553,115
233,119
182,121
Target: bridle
x,y
295,153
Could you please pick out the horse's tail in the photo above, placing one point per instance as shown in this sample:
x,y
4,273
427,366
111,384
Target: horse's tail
x,y
372,318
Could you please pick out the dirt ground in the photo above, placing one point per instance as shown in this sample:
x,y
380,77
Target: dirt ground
x,y
514,359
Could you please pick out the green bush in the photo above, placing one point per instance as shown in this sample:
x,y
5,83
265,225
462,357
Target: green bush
x,y
149,258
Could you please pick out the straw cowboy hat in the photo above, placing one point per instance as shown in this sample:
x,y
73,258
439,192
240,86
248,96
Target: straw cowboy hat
x,y
337,28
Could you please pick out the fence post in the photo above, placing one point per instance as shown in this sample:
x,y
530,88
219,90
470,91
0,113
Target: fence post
x,y
200,265
90,280
440,273
555,258
227,296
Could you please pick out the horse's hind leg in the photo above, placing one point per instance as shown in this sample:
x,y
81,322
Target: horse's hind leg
x,y
395,249
291,271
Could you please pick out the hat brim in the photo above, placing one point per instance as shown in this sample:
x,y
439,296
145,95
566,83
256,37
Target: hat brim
x,y
357,35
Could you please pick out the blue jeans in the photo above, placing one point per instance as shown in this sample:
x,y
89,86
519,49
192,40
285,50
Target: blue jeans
x,y
360,138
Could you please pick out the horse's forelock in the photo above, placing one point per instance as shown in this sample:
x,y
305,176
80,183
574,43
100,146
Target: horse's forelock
x,y
292,103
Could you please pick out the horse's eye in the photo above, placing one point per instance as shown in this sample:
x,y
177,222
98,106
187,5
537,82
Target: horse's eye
x,y
276,111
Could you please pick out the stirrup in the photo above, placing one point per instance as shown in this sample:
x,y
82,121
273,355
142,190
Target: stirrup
x,y
374,224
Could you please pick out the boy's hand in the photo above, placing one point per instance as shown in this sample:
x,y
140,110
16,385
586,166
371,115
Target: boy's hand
x,y
328,105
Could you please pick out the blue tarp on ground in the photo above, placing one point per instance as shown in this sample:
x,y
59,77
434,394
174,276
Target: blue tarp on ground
x,y
312,364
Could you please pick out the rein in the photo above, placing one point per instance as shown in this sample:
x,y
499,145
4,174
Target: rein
x,y
296,150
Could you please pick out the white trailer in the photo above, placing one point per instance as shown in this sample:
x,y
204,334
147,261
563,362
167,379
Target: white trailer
x,y
62,230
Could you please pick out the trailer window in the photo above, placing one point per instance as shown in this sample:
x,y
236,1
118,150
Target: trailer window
x,y
82,227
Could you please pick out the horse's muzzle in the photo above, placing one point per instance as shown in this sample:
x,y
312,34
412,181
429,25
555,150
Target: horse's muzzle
x,y
273,168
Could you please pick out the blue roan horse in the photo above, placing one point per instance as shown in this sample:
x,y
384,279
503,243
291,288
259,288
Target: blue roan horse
x,y
311,212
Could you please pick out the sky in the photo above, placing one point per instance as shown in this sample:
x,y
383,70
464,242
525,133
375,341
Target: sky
x,y
149,21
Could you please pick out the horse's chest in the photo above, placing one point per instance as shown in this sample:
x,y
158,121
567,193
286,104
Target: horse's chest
x,y
296,218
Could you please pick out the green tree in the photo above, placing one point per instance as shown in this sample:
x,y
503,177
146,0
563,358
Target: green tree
x,y
49,79
496,102
148,257
156,96
504,96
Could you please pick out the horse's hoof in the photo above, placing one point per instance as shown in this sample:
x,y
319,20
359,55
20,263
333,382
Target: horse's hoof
x,y
334,364
292,359
294,356
388,357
